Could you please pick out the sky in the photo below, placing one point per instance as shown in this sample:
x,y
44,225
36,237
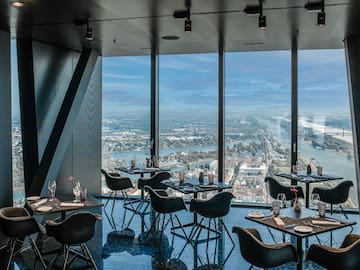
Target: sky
x,y
255,82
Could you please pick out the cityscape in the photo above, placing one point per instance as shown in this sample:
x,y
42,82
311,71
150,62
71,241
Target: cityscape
x,y
255,147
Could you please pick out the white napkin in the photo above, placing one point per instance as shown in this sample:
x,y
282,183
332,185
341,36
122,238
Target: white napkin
x,y
37,204
325,222
71,204
279,221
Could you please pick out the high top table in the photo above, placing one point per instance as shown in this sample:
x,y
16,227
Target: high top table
x,y
308,179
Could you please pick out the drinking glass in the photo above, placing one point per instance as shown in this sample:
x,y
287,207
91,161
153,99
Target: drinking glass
x,y
51,190
276,206
76,192
282,198
315,198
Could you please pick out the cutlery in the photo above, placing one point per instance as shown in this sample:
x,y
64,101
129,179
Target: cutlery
x,y
267,217
313,225
291,225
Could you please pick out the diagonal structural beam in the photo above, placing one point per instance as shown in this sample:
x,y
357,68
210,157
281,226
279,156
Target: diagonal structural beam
x,y
27,110
61,133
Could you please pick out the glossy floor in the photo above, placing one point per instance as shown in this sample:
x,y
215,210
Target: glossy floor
x,y
117,249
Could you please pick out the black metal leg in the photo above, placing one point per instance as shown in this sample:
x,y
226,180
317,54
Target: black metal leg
x,y
12,248
300,253
307,187
37,252
90,256
67,249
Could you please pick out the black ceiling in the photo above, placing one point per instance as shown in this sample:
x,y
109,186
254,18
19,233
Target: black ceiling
x,y
130,27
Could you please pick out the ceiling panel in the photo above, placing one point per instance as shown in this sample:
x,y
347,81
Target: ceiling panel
x,y
129,27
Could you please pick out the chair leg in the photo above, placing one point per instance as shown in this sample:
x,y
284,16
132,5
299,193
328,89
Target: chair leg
x,y
251,266
12,248
113,203
67,250
342,209
109,198
227,231
37,252
89,255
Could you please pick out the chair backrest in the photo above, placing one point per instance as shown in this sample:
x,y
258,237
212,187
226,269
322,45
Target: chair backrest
x,y
336,195
16,222
275,188
116,183
76,229
155,181
263,255
164,204
345,257
217,206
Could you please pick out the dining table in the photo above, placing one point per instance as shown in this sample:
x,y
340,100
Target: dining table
x,y
300,224
308,179
62,204
141,170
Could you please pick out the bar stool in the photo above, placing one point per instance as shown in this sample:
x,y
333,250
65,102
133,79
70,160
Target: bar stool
x,y
153,182
118,184
214,210
74,231
164,206
259,254
336,195
345,257
17,224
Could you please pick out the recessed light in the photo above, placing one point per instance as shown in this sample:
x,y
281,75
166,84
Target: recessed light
x,y
18,3
170,37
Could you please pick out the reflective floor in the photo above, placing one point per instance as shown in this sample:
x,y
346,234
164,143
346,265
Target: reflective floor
x,y
131,249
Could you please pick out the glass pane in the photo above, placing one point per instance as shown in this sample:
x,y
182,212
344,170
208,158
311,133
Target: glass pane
x,y
126,112
188,114
17,153
257,120
325,132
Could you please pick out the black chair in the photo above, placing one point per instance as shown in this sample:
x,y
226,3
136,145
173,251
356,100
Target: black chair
x,y
275,188
17,224
118,184
336,195
164,205
74,231
346,257
153,182
259,254
213,209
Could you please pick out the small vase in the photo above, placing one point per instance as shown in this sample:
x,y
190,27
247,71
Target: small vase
x,y
297,206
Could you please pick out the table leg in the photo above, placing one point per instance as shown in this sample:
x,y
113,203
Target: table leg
x,y
300,253
195,215
307,187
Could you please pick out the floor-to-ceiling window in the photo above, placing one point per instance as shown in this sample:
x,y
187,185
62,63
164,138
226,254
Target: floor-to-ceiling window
x,y
188,119
257,120
126,111
17,153
325,132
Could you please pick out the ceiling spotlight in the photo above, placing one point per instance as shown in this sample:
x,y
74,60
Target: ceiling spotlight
x,y
321,19
252,10
262,18
187,27
184,14
89,33
262,22
314,7
18,3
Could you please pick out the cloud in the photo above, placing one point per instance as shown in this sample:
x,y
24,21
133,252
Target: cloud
x,y
121,76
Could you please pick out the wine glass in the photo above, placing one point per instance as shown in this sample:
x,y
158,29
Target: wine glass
x,y
51,190
315,198
76,192
282,197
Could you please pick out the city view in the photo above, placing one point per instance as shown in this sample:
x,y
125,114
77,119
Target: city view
x,y
257,118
